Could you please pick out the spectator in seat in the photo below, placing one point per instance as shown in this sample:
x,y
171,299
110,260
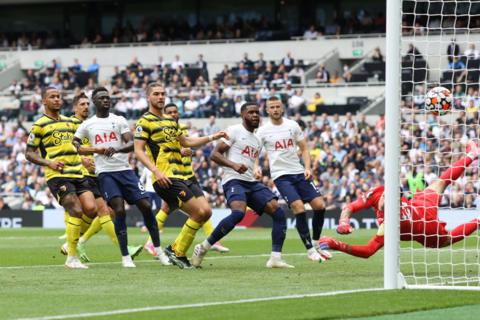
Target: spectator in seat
x,y
323,76
191,106
211,127
76,66
123,106
94,68
296,72
472,52
15,88
246,61
261,62
288,61
311,33
202,64
135,64
225,106
296,103
242,70
316,101
139,105
177,63
30,108
453,50
377,55
412,53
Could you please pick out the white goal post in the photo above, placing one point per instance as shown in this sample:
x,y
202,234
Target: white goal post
x,y
443,35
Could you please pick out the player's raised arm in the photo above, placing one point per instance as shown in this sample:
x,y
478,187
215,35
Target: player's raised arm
x,y
218,156
192,142
362,251
344,226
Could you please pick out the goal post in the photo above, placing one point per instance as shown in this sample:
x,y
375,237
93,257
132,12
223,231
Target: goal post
x,y
392,145
432,43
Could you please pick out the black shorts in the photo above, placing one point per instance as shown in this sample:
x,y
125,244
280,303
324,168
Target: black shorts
x,y
94,186
60,187
178,192
194,186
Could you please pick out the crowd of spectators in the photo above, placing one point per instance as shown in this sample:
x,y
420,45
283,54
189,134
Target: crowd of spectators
x,y
347,158
187,84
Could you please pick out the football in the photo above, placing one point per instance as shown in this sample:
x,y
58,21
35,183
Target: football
x,y
438,101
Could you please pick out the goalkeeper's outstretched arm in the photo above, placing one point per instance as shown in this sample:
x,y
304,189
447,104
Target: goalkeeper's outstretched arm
x,y
362,251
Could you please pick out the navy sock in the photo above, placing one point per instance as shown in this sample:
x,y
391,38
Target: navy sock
x,y
152,226
121,232
317,223
279,230
302,228
225,226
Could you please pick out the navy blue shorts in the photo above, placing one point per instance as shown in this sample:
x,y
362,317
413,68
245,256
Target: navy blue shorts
x,y
124,184
295,187
254,193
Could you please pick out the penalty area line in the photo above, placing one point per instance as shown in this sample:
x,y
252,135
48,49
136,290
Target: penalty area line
x,y
200,305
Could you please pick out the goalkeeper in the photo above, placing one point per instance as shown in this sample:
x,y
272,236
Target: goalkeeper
x,y
418,216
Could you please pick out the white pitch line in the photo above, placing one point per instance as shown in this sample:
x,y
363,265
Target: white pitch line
x,y
200,305
149,261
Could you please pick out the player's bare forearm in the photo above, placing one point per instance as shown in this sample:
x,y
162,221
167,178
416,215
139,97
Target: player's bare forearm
x,y
128,143
221,160
139,149
34,157
305,154
192,142
346,213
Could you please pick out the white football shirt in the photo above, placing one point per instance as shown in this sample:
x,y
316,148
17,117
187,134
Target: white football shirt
x,y
244,148
105,133
281,144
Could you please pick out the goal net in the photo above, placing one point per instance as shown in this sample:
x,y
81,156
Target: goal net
x,y
440,46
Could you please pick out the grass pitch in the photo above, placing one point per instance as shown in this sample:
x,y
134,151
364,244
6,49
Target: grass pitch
x,y
34,283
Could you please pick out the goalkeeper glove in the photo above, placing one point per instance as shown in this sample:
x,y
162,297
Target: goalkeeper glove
x,y
344,226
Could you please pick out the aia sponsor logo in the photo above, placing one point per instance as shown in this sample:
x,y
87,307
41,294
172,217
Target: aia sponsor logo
x,y
250,152
103,138
283,144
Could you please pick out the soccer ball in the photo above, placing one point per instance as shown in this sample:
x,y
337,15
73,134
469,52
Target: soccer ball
x,y
438,101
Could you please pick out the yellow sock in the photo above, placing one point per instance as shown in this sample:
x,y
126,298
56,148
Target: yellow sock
x,y
93,229
161,218
86,222
108,227
208,227
185,238
66,216
73,233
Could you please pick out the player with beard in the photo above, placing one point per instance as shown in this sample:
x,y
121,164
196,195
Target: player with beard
x,y
171,110
238,154
281,138
162,139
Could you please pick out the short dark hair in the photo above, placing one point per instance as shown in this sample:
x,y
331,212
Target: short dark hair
x,y
170,105
79,96
246,105
97,90
46,89
273,98
152,85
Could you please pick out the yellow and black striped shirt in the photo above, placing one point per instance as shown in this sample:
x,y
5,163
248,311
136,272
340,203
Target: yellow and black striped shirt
x,y
162,144
187,161
85,143
54,140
